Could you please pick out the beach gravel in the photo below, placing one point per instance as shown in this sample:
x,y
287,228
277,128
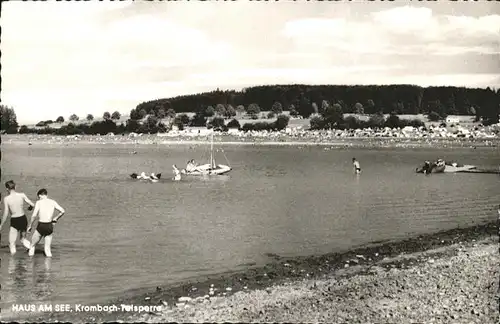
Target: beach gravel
x,y
459,286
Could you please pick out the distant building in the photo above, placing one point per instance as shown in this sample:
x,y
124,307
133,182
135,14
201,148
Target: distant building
x,y
452,120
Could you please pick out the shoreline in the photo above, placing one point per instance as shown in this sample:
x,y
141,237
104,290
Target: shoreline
x,y
272,140
283,272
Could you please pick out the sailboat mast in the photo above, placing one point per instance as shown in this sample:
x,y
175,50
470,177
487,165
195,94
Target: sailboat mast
x,y
212,150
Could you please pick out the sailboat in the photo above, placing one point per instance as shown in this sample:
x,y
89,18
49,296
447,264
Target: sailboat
x,y
210,168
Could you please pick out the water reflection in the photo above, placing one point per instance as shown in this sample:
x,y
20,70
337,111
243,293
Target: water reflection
x,y
18,273
42,278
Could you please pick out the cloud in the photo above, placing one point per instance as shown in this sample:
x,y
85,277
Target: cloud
x,y
402,31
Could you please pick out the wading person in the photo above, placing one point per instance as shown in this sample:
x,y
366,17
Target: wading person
x,y
44,209
357,168
177,173
14,204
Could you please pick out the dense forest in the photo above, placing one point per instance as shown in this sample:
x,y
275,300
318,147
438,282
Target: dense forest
x,y
325,104
305,100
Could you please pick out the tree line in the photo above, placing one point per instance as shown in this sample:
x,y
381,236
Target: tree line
x,y
306,100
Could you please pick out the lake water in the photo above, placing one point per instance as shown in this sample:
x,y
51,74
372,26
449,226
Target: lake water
x,y
120,234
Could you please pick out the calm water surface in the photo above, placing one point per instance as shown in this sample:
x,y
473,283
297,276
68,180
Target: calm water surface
x,y
119,234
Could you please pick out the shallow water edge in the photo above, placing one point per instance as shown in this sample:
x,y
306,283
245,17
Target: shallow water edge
x,y
279,270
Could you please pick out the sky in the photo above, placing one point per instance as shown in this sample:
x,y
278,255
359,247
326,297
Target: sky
x,y
60,58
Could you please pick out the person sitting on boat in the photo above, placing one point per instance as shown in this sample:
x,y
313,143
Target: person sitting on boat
x,y
177,173
440,163
189,166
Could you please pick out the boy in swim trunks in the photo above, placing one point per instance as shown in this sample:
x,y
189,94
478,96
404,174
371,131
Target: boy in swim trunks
x,y
44,208
14,203
357,168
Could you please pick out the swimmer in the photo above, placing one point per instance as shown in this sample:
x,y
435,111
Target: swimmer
x,y
177,173
14,203
357,168
44,208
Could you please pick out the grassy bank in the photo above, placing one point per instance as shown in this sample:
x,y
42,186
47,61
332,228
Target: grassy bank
x,y
407,281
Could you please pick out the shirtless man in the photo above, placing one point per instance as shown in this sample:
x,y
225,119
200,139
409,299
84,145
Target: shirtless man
x,y
14,203
177,173
357,168
44,208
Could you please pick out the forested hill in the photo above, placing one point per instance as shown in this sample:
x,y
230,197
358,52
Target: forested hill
x,y
306,99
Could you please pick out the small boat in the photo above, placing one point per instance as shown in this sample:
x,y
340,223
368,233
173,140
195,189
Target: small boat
x,y
153,177
440,166
209,168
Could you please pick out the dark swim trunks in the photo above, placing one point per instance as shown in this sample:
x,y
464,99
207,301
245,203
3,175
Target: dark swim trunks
x,y
45,229
19,223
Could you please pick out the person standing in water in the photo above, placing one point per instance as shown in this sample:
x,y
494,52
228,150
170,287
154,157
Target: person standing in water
x,y
177,173
44,208
14,203
357,168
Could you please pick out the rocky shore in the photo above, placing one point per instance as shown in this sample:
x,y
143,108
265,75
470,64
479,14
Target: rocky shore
x,y
263,138
456,284
450,276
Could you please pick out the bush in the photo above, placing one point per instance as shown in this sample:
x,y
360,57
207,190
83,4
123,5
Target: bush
x,y
24,130
281,122
393,121
184,119
198,120
131,125
217,123
234,123
434,116
376,121
316,122
351,122
416,123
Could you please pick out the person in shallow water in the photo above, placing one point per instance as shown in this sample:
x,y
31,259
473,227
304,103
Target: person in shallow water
x,y
177,173
44,208
357,168
14,203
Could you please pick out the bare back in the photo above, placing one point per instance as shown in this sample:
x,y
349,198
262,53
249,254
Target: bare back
x,y
15,203
45,209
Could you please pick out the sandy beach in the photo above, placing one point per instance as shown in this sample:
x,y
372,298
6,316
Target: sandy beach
x,y
450,276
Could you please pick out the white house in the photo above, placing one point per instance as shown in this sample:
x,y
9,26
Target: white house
x,y
452,120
